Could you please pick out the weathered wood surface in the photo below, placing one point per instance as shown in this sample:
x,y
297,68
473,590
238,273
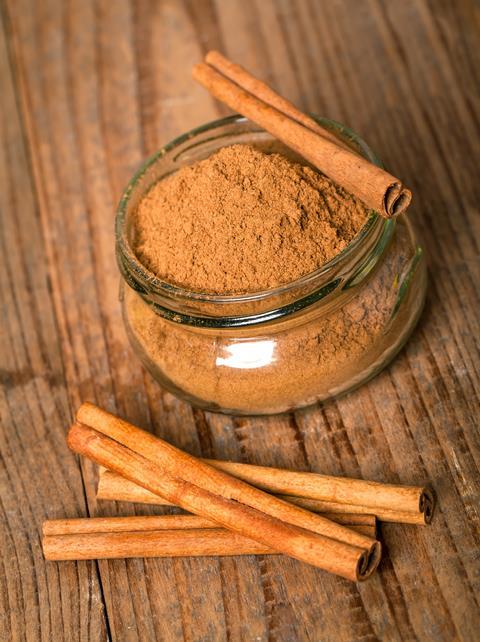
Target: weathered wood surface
x,y
87,90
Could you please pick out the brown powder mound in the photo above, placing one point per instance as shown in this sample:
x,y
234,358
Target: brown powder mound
x,y
243,221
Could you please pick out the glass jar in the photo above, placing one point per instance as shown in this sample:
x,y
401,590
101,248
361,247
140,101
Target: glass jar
x,y
277,350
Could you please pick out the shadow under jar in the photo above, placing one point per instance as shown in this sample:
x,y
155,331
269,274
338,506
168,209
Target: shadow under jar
x,y
277,350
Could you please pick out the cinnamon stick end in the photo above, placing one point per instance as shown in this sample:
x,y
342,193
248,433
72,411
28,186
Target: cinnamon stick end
x,y
198,72
72,437
397,199
46,549
427,504
78,437
213,56
369,561
85,411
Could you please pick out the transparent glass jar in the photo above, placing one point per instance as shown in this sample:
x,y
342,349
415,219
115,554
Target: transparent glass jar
x,y
277,350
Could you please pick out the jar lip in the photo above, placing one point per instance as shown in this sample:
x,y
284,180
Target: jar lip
x,y
157,285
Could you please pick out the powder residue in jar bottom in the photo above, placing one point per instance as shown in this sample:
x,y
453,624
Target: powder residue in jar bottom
x,y
321,354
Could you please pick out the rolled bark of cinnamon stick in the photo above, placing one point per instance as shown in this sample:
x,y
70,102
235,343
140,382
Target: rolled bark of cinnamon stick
x,y
166,543
382,514
125,524
76,526
261,90
315,492
377,188
150,536
373,496
197,487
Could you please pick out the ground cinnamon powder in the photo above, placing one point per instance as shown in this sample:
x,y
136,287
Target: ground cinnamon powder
x,y
240,221
243,220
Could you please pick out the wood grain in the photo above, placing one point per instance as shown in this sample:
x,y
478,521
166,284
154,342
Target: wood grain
x,y
88,90
36,600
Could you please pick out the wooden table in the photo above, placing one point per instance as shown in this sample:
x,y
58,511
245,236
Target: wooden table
x,y
89,89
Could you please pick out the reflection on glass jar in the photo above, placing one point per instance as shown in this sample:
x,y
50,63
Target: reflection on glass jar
x,y
289,347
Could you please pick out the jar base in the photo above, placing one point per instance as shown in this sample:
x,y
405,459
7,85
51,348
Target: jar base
x,y
366,375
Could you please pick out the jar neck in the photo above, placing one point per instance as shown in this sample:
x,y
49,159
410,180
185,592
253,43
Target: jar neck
x,y
336,280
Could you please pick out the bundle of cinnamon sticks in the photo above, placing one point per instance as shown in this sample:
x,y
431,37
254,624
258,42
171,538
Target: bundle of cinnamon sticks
x,y
328,522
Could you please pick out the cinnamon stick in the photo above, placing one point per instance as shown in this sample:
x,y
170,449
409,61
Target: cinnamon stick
x,y
197,487
239,90
262,91
167,543
361,523
122,524
315,492
382,514
65,538
370,495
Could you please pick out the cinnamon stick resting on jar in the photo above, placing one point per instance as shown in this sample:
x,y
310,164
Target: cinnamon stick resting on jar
x,y
244,93
155,536
205,491
313,491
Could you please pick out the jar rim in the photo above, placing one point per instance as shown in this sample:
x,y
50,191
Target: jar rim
x,y
157,285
